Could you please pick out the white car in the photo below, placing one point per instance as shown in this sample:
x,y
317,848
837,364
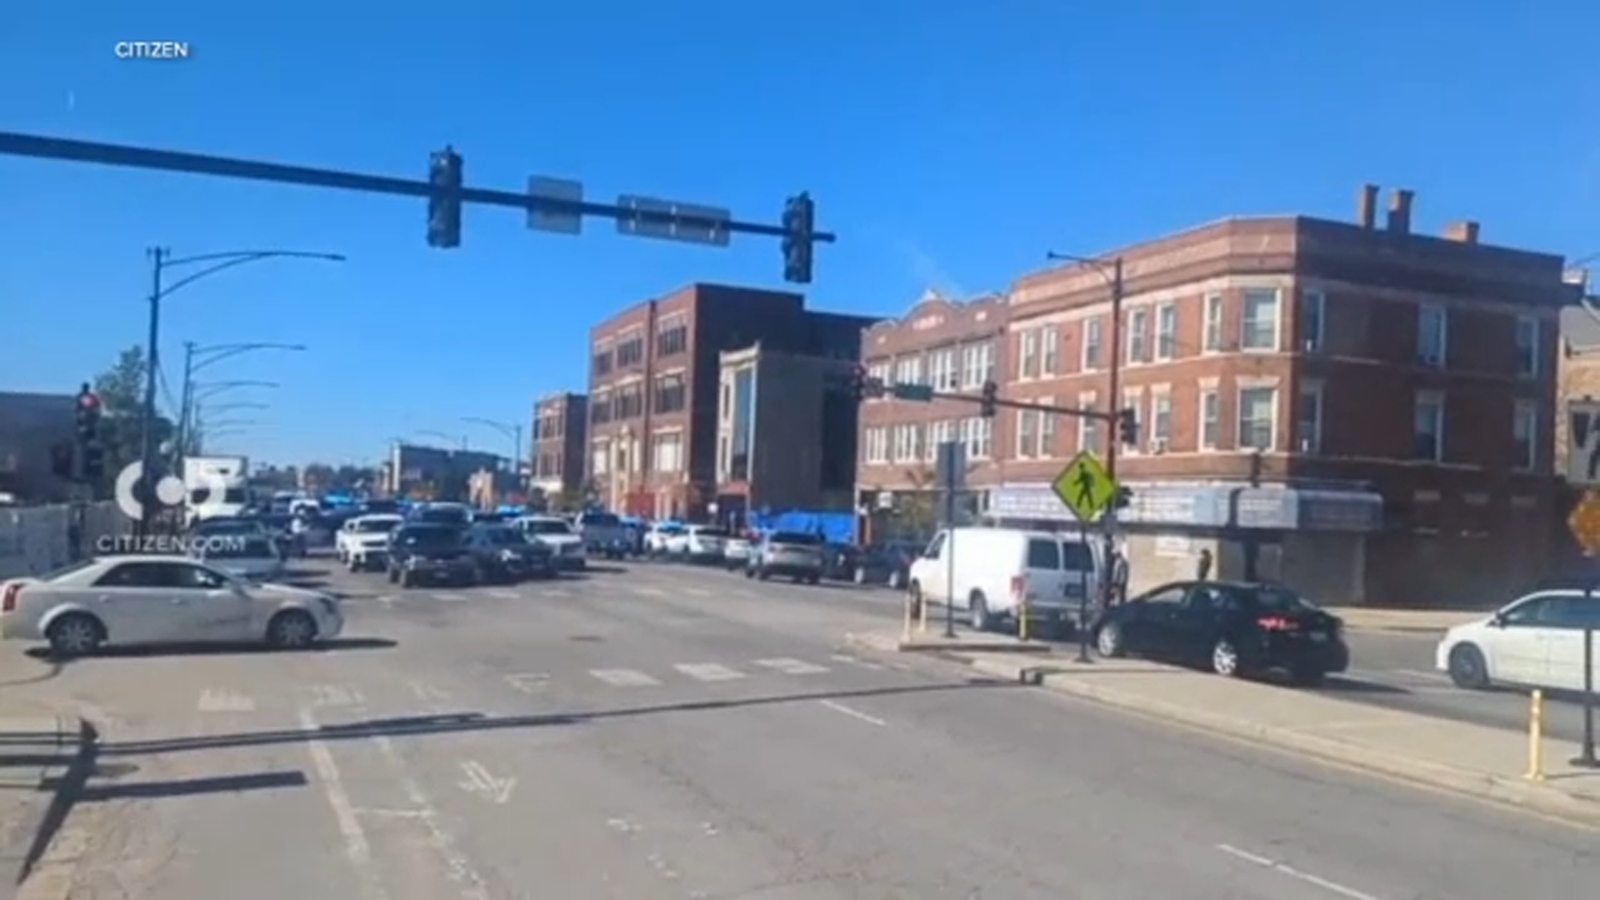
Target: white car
x,y
1533,641
703,543
248,557
363,543
736,551
659,538
129,600
566,544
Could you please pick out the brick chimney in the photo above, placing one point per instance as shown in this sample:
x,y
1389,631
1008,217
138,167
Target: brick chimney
x,y
1465,232
1400,211
1367,206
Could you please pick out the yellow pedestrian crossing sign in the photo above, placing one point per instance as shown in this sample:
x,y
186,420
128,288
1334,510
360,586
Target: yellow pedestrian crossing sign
x,y
1085,486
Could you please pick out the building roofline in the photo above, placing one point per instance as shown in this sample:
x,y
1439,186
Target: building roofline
x,y
930,299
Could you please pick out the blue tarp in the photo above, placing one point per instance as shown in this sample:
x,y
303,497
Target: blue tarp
x,y
836,527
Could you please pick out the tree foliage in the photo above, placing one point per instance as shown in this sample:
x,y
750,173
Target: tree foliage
x,y
121,392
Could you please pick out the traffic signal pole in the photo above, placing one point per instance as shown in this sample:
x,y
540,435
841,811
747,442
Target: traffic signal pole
x,y
1114,384
147,433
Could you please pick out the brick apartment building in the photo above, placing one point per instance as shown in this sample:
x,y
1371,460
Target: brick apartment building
x,y
654,378
1357,409
953,346
560,441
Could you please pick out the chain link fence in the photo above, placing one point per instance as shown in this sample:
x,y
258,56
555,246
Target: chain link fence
x,y
38,539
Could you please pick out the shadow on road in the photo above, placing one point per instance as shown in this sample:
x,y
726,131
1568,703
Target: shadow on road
x,y
454,723
53,668
217,649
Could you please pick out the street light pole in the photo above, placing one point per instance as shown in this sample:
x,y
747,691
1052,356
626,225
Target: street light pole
x,y
160,260
512,431
195,358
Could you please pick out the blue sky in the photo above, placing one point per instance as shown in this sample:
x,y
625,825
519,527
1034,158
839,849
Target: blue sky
x,y
949,145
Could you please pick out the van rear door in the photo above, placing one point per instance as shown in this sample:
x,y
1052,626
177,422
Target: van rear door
x,y
1042,574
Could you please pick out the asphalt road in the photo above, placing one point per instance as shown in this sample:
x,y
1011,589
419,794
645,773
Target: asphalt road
x,y
670,733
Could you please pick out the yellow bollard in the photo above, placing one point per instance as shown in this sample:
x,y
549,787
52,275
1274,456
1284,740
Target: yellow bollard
x,y
1022,621
1535,736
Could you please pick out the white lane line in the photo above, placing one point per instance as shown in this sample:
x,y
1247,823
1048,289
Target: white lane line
x,y
624,678
503,594
1332,887
450,598
529,682
224,701
697,592
789,666
356,846
853,713
457,867
858,661
649,592
556,592
708,672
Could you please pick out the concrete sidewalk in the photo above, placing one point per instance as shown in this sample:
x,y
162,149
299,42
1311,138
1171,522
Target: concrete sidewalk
x,y
1429,621
1488,763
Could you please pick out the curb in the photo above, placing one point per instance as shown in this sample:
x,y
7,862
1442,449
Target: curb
x,y
941,647
29,836
1480,785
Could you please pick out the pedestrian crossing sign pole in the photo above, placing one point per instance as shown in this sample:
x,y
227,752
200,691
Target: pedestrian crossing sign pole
x,y
1085,487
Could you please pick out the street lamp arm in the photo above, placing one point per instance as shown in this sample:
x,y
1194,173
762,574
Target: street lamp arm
x,y
225,351
212,390
509,431
1100,266
233,259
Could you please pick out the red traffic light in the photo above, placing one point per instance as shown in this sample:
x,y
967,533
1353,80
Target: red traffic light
x,y
89,400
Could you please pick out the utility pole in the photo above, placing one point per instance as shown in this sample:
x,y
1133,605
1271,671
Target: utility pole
x,y
147,440
1114,384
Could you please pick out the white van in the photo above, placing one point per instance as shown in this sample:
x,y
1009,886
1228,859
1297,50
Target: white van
x,y
998,569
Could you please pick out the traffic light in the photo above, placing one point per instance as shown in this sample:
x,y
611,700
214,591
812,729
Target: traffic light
x,y
444,204
1123,499
88,415
799,220
863,386
94,462
1128,426
989,403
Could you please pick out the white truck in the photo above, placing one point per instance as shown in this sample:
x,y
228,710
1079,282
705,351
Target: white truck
x,y
215,486
363,543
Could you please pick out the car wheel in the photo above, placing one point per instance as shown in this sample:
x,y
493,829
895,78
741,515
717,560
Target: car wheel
x,y
292,629
75,634
763,575
352,564
749,572
978,610
814,580
1225,658
394,576
407,580
1108,640
1467,667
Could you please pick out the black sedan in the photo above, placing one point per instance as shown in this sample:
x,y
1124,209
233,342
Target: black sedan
x,y
503,553
1232,628
424,553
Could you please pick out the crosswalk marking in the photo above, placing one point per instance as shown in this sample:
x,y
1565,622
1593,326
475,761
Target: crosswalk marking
x,y
224,701
856,661
503,594
649,592
335,695
708,671
528,682
557,592
624,677
789,666
698,592
449,598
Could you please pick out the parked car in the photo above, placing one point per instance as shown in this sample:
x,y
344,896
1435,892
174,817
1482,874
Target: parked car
x,y
130,600
604,534
1535,641
736,550
429,553
556,533
503,553
250,557
999,571
839,561
1232,628
888,563
363,542
703,544
787,554
457,514
658,539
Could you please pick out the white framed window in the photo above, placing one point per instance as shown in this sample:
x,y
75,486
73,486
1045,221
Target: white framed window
x,y
878,371
1138,335
877,445
1134,399
1047,430
1166,330
1258,319
977,365
1027,433
1308,418
1092,342
1433,335
1028,354
1525,436
666,452
1258,418
945,374
1049,350
978,433
1309,321
938,433
1211,324
1160,421
908,370
600,457
1428,427
1210,418
1528,334
908,443
1088,428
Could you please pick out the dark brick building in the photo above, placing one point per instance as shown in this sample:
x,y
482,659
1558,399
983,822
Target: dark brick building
x,y
560,442
1360,410
654,377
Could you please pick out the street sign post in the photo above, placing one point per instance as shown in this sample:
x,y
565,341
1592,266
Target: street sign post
x,y
1583,443
561,217
952,470
672,221
1585,524
1086,488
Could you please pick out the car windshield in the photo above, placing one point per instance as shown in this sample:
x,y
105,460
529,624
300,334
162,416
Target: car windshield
x,y
66,570
374,526
796,537
253,548
669,529
602,520
503,536
545,526
429,538
444,515
1281,599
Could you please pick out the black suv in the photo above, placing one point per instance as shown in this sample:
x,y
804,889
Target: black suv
x,y
425,553
502,553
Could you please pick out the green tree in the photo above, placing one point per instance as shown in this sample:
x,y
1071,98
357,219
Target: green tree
x,y
121,391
